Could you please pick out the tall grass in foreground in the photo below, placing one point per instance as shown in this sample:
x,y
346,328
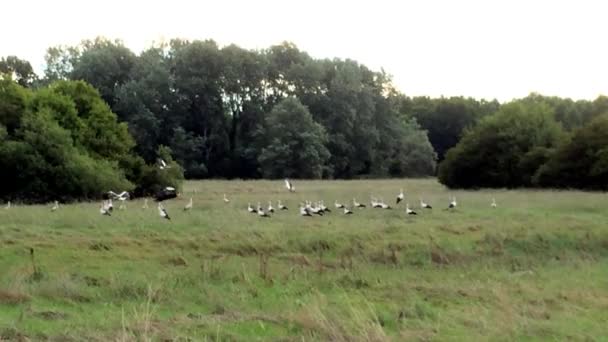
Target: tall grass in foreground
x,y
535,268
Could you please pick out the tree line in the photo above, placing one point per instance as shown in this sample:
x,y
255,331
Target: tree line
x,y
215,109
62,142
230,112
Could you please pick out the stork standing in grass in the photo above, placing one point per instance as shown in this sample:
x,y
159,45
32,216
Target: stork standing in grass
x,y
323,207
282,206
453,203
270,207
162,212
494,205
55,206
226,200
338,205
261,212
103,210
424,205
8,205
304,211
189,205
250,209
357,204
400,197
347,211
145,206
408,210
289,186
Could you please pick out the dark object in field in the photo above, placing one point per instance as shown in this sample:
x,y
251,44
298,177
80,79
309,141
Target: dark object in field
x,y
165,194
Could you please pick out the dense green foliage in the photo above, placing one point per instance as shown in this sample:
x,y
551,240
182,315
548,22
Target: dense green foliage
x,y
214,108
63,142
504,149
523,144
291,143
582,162
208,103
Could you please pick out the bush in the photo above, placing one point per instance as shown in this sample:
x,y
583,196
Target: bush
x,y
582,162
504,150
65,144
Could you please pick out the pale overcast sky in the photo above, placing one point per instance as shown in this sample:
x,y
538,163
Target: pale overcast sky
x,y
484,49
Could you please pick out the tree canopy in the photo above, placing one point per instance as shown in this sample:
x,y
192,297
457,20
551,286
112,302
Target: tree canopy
x,y
504,149
63,142
291,142
224,111
207,102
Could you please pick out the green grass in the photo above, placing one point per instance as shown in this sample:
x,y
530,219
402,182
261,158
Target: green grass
x,y
535,268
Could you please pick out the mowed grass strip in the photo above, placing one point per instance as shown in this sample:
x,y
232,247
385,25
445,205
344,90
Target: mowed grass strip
x,y
534,268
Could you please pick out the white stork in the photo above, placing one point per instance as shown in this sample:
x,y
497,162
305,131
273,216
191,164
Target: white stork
x,y
270,207
122,197
384,205
400,197
289,186
261,212
226,200
323,207
304,211
282,206
453,203
338,205
494,205
250,208
189,205
424,205
145,206
357,204
8,205
55,206
162,164
347,211
103,210
408,210
162,212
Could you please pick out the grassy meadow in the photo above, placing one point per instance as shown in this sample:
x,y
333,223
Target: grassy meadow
x,y
535,268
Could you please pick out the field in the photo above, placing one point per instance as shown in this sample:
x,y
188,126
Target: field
x,y
535,268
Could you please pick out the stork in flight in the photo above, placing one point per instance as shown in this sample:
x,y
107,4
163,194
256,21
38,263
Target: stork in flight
x,y
162,164
122,197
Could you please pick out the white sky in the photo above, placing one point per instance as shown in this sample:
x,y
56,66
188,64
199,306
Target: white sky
x,y
484,49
